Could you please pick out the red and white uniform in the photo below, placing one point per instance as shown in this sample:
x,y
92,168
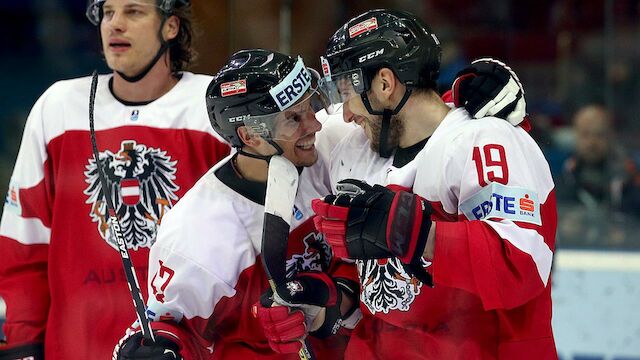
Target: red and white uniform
x,y
206,267
494,205
60,274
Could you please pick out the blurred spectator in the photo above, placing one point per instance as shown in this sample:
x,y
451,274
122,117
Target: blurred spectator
x,y
599,172
599,187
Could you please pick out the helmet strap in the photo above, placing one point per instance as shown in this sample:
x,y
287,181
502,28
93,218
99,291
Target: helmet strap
x,y
164,46
266,158
384,149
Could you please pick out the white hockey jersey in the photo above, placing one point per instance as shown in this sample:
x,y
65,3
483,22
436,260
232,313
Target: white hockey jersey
x,y
494,209
206,270
60,273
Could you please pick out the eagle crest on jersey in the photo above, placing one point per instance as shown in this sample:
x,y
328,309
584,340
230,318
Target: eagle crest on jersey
x,y
316,256
142,186
386,285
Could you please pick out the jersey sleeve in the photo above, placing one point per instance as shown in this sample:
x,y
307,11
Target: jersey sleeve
x,y
503,248
195,271
25,233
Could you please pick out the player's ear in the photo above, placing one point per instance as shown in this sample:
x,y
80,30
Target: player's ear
x,y
171,28
247,137
385,83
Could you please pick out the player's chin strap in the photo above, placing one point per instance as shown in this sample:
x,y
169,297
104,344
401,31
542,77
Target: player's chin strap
x,y
384,149
164,46
266,158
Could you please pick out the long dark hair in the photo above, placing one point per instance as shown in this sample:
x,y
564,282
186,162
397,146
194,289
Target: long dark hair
x,y
181,52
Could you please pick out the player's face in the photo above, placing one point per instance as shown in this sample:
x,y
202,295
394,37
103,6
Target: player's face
x,y
354,111
129,30
299,147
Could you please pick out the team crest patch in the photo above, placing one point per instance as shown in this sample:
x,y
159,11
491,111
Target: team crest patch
x,y
142,188
386,286
363,26
233,88
12,201
316,256
294,287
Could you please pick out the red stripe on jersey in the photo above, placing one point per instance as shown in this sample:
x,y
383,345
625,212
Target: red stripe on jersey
x,y
470,255
31,199
440,214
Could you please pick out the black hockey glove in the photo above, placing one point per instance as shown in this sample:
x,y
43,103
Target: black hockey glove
x,y
135,347
30,351
488,87
373,222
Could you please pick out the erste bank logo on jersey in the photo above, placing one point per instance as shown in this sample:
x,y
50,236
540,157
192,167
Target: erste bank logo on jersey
x,y
142,188
504,202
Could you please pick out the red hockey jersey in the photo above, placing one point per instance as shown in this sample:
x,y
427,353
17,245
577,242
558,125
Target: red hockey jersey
x,y
60,274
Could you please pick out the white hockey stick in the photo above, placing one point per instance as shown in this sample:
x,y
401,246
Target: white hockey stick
x,y
282,186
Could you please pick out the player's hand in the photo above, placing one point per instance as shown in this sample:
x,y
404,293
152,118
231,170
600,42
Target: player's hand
x,y
372,222
135,347
488,87
307,304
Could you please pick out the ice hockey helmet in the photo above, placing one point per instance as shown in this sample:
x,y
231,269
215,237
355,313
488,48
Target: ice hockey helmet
x,y
94,8
385,38
244,88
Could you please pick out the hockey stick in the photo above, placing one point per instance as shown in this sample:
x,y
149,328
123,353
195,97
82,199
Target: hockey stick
x,y
282,186
114,224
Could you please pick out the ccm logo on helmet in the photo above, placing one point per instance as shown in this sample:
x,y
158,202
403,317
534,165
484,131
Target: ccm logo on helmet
x,y
240,118
370,55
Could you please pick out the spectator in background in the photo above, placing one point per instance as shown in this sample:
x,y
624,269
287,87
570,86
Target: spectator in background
x,y
599,186
598,173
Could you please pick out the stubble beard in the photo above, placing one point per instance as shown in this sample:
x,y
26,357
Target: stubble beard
x,y
374,122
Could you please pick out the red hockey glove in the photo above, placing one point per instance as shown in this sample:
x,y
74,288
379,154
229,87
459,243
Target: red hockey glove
x,y
30,351
372,222
488,87
135,347
297,304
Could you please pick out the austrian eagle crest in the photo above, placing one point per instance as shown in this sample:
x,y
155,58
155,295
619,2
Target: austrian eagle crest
x,y
142,187
386,285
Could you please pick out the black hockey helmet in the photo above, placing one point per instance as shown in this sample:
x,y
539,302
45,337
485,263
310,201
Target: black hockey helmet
x,y
94,8
380,38
254,88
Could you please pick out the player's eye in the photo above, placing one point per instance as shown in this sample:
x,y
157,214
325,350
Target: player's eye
x,y
133,12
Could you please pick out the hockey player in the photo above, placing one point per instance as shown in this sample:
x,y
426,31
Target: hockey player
x,y
206,271
490,256
60,274
455,244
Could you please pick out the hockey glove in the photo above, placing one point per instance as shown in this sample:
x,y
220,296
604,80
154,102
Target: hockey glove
x,y
30,351
373,222
135,347
490,88
287,316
